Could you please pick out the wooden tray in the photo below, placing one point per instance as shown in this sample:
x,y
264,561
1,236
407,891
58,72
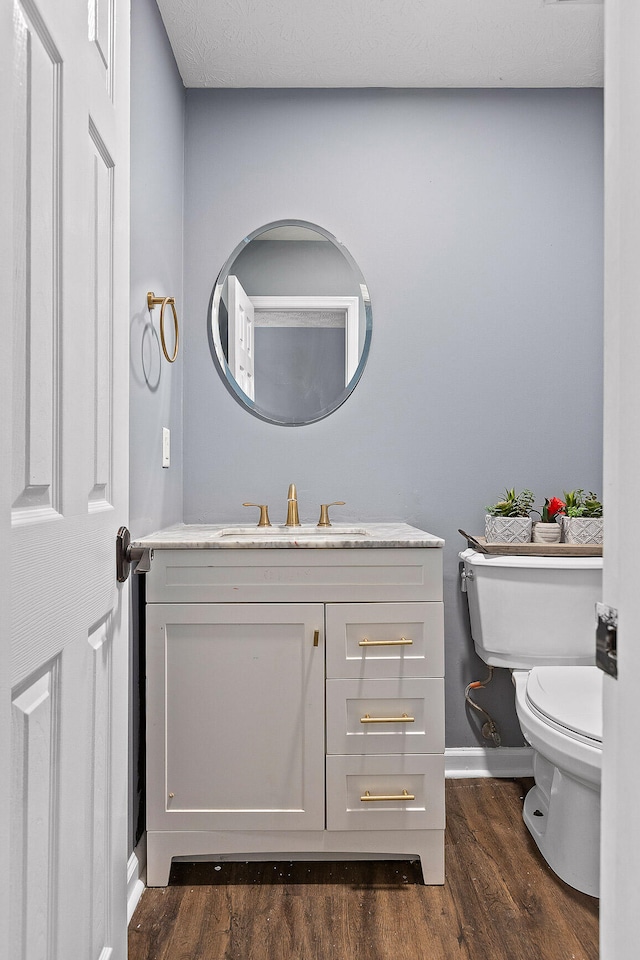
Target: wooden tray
x,y
535,549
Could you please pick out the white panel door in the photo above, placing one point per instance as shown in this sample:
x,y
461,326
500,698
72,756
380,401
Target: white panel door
x,y
620,834
69,478
241,329
6,285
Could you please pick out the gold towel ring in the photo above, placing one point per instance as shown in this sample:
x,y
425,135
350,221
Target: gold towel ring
x,y
152,301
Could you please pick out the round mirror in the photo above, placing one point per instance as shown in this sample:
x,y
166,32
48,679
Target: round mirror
x,y
290,323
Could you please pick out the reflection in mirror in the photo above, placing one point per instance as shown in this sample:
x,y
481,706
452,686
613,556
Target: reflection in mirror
x,y
290,323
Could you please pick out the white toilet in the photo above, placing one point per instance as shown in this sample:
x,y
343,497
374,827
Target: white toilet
x,y
536,616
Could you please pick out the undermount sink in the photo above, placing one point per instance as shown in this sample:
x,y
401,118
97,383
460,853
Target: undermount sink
x,y
303,532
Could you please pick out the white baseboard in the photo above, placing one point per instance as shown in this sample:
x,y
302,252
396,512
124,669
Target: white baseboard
x,y
488,762
136,876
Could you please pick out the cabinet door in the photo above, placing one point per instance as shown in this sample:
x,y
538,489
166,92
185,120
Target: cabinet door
x,y
235,716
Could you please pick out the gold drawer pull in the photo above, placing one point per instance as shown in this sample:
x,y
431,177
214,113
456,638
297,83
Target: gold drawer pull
x,y
403,796
402,642
403,719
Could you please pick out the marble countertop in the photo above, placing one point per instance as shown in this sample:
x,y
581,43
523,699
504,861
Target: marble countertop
x,y
216,536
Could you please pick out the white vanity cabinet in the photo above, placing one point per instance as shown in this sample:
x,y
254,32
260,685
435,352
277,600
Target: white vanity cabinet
x,y
295,705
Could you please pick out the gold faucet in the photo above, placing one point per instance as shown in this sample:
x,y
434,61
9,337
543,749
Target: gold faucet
x,y
264,513
293,519
324,512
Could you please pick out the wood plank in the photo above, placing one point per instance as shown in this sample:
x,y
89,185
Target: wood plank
x,y
500,901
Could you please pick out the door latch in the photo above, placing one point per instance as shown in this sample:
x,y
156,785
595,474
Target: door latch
x,y
607,639
126,555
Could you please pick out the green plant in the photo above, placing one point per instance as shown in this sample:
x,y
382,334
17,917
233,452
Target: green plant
x,y
513,505
581,504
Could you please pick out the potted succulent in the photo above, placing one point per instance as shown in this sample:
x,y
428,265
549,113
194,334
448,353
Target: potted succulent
x,y
549,528
509,520
582,522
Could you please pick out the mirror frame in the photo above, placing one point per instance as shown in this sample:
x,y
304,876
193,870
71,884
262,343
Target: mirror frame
x,y
216,344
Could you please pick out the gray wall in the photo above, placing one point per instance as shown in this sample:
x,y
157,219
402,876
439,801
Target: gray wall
x,y
304,268
157,192
476,219
298,372
157,188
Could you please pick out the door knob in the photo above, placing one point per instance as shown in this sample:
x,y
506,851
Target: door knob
x,y
126,555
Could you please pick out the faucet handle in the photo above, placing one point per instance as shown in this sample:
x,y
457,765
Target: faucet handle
x,y
264,513
324,512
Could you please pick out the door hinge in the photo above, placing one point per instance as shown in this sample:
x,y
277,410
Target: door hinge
x,y
607,639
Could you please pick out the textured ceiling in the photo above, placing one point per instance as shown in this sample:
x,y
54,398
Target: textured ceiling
x,y
386,43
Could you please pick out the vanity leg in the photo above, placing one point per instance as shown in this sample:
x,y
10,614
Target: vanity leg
x,y
431,851
158,861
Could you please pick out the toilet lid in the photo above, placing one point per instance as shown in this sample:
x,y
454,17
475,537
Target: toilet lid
x,y
568,697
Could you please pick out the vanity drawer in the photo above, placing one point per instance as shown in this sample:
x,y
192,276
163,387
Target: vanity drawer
x,y
413,784
294,575
356,710
379,640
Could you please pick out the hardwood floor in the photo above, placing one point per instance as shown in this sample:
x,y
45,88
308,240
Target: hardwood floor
x,y
500,901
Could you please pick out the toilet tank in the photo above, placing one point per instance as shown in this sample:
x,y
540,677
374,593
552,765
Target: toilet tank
x,y
527,611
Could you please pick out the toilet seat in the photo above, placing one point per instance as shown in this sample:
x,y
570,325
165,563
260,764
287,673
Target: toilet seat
x,y
548,721
569,699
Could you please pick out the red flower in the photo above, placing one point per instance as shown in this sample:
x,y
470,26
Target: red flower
x,y
553,507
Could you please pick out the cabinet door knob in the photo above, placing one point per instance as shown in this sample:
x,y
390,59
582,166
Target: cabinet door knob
x,y
316,637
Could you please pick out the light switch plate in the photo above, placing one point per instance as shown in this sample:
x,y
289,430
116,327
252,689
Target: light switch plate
x,y
166,447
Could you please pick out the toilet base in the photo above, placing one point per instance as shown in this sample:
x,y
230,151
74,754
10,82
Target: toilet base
x,y
562,814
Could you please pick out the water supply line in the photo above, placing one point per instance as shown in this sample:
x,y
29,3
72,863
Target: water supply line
x,y
489,727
